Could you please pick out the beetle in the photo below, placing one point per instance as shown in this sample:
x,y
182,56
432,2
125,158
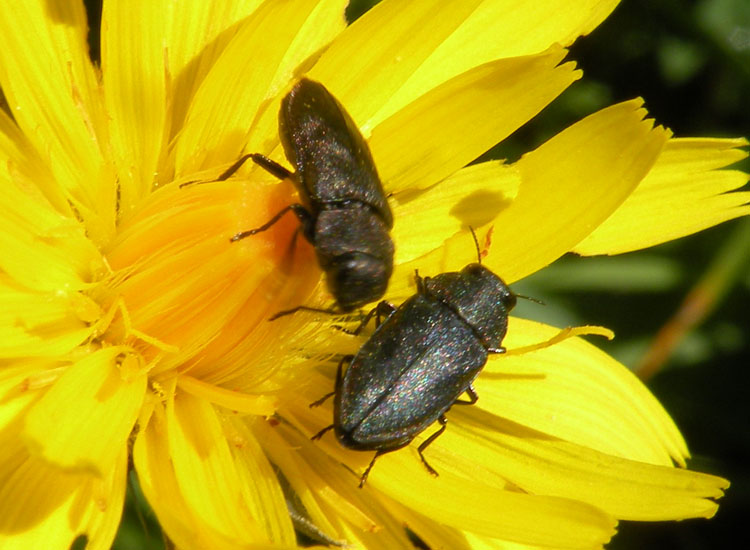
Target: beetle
x,y
344,211
419,361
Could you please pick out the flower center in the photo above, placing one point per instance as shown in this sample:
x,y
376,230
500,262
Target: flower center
x,y
192,302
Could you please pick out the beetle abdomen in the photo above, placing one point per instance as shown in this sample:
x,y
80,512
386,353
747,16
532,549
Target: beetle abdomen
x,y
412,369
332,158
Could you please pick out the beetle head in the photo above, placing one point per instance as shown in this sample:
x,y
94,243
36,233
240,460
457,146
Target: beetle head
x,y
492,302
479,296
357,278
481,277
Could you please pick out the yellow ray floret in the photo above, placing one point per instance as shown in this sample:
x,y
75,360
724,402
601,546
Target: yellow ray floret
x,y
81,422
685,192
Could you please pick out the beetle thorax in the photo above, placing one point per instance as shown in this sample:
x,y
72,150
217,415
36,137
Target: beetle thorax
x,y
479,297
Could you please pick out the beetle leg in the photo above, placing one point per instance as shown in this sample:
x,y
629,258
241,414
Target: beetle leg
x,y
383,309
369,467
497,350
226,174
473,397
301,308
263,161
302,214
344,330
322,400
270,166
363,320
443,421
321,432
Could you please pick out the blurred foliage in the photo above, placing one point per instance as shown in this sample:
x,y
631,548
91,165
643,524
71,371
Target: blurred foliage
x,y
139,529
690,61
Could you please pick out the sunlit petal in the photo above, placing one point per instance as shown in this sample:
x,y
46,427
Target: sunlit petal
x,y
52,90
107,389
418,146
238,85
685,192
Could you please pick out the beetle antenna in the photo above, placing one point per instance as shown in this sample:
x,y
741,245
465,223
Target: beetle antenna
x,y
476,244
531,299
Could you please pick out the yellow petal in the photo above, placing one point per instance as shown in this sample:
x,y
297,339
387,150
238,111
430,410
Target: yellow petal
x,y
496,30
212,483
43,324
624,488
330,493
567,187
574,391
685,192
465,498
571,184
420,145
437,535
326,22
258,483
22,163
157,480
14,392
279,35
380,50
42,507
184,525
477,542
304,470
133,56
35,500
51,88
197,31
82,422
233,400
104,507
405,49
473,196
40,247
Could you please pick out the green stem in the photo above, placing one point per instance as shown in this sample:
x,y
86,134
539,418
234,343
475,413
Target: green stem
x,y
727,267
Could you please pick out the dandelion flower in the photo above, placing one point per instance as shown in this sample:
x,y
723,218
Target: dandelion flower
x,y
135,335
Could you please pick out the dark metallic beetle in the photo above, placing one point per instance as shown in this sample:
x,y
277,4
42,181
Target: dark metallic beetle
x,y
344,212
419,361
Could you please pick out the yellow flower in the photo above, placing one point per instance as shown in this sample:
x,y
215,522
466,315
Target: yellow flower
x,y
132,327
